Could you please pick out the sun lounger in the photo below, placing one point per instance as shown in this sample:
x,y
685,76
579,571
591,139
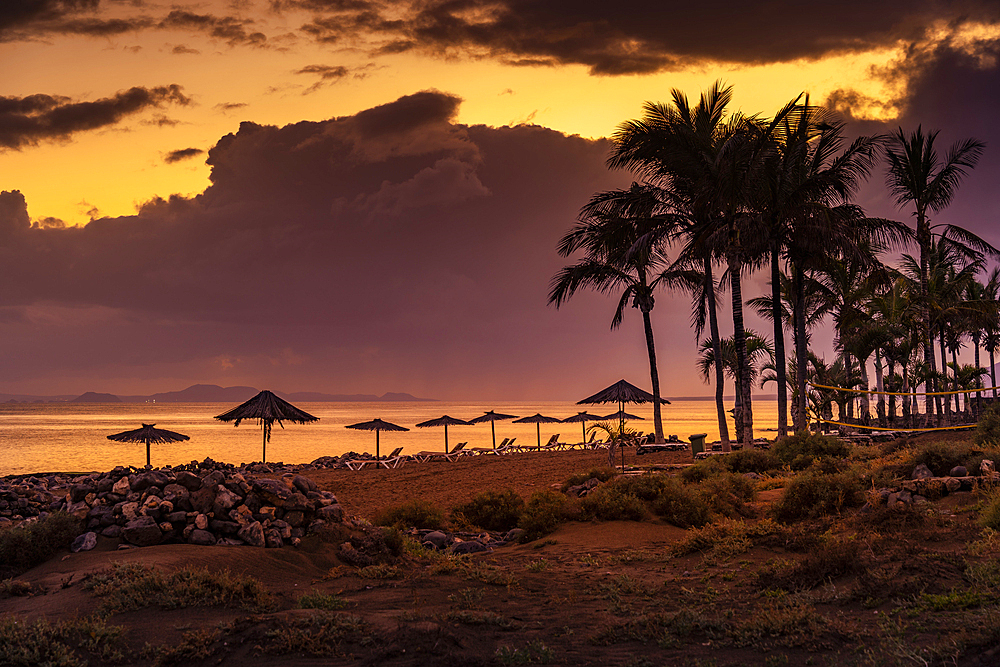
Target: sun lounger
x,y
393,460
589,444
457,451
475,451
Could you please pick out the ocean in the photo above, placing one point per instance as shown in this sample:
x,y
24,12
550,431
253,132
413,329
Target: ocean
x,y
72,437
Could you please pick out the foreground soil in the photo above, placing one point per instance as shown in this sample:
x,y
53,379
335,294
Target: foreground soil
x,y
611,593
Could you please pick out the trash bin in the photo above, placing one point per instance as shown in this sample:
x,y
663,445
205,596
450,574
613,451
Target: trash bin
x,y
697,443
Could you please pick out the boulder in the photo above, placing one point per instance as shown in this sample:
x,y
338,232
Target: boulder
x,y
143,532
201,537
122,487
921,472
331,513
271,491
252,534
958,471
188,480
203,500
470,547
84,542
986,467
225,500
437,539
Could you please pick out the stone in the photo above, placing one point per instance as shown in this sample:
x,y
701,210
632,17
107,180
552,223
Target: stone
x,y
142,532
919,500
112,531
201,537
188,480
904,497
470,547
175,492
224,527
297,502
331,513
437,539
201,522
267,512
252,534
176,517
84,542
921,472
304,484
295,519
79,510
958,471
283,528
203,500
225,500
272,539
122,487
513,535
952,484
986,467
272,492
242,515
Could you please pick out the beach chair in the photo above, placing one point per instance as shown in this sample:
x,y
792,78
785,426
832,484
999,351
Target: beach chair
x,y
457,451
476,451
392,459
553,444
587,444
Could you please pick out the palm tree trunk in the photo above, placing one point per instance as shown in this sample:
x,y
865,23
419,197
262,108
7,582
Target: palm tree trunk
x,y
779,343
879,387
993,374
745,435
801,352
906,398
654,376
864,409
924,241
979,378
944,374
720,377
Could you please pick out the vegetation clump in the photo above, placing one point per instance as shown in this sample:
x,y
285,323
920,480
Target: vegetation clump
x,y
601,474
612,502
412,514
750,460
543,513
804,446
942,456
988,427
491,510
32,543
812,495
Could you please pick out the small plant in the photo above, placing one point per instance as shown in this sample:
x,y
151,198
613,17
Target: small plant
x,y
989,515
492,510
380,571
534,653
812,495
543,513
681,505
751,460
467,598
15,588
24,644
537,565
702,470
988,427
32,543
317,600
728,494
602,475
412,514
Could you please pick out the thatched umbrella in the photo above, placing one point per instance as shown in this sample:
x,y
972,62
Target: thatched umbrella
x,y
620,392
621,415
267,408
445,421
492,418
148,434
538,419
377,425
583,418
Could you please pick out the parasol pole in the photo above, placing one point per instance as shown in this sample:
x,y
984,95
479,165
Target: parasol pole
x,y
148,464
376,445
445,438
493,429
538,432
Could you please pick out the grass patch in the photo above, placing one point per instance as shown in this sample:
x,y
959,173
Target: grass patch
x,y
534,653
324,634
470,617
612,502
317,600
725,539
128,586
602,475
62,644
32,543
421,514
380,571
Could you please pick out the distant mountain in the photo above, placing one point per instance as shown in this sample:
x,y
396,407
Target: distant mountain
x,y
95,397
200,393
317,397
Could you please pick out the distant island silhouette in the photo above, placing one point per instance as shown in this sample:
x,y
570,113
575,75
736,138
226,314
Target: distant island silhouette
x,y
213,393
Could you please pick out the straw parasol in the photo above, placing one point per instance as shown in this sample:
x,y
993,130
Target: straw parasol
x,y
620,392
445,421
148,434
538,419
622,416
583,418
492,418
376,425
267,408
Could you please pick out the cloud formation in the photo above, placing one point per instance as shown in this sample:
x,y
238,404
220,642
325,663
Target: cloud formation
x,y
182,154
393,248
25,121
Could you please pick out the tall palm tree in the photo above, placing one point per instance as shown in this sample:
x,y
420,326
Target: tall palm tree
x,y
758,349
982,299
678,148
610,232
917,176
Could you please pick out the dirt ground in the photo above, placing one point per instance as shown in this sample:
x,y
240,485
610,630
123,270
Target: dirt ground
x,y
608,593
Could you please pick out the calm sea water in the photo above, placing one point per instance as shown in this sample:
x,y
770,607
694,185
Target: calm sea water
x,y
73,436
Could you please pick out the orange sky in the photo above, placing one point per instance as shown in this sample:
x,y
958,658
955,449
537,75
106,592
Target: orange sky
x,y
106,105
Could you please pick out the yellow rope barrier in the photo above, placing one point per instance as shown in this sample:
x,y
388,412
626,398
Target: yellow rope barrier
x,y
902,393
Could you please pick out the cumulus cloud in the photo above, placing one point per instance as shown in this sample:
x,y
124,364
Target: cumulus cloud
x,y
25,121
391,248
182,154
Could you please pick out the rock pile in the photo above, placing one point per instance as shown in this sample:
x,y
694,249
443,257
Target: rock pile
x,y
216,504
924,486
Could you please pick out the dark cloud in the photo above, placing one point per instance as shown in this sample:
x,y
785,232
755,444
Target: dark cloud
x,y
229,29
17,14
226,107
181,49
327,74
182,154
636,37
25,121
392,248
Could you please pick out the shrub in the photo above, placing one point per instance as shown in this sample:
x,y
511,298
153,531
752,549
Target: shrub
x,y
681,506
492,510
988,427
812,495
412,514
751,460
702,470
602,474
812,445
941,457
610,502
728,494
30,544
542,514
989,516
643,487
318,600
835,558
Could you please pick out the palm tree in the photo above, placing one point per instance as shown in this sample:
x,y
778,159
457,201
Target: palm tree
x,y
982,300
916,175
610,232
678,148
758,350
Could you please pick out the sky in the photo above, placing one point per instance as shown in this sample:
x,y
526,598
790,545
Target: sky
x,y
362,196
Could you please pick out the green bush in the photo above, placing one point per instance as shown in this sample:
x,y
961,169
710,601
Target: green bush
x,y
751,460
989,516
988,427
703,469
602,474
812,495
491,510
643,487
411,514
542,514
728,494
30,544
611,502
681,505
812,445
941,456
